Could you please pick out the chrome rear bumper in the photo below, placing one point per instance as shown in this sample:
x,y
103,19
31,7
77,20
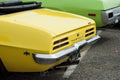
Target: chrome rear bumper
x,y
111,16
52,58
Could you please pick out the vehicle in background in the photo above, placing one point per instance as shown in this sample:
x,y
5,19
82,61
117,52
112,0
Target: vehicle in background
x,y
104,12
35,39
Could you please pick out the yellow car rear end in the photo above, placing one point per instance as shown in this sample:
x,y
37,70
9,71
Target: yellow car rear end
x,y
39,39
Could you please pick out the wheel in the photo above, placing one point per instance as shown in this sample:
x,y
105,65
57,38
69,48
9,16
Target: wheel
x,y
3,71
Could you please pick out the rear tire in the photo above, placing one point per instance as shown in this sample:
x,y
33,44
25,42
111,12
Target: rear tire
x,y
3,71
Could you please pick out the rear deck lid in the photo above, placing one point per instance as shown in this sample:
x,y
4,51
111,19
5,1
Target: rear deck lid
x,y
54,22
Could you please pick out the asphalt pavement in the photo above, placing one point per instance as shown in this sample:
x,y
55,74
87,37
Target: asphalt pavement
x,y
102,61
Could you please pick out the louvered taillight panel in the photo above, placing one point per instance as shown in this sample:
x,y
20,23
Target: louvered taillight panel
x,y
89,32
60,43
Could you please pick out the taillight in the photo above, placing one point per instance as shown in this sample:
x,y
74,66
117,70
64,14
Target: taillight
x,y
90,14
61,40
60,43
89,32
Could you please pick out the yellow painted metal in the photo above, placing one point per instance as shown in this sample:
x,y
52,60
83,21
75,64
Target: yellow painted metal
x,y
35,31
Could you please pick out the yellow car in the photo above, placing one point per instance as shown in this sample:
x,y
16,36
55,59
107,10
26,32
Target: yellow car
x,y
35,40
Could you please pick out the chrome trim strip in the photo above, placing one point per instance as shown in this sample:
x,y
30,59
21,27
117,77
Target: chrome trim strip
x,y
51,58
56,55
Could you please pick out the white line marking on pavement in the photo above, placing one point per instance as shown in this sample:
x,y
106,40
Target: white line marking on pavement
x,y
71,68
69,71
99,31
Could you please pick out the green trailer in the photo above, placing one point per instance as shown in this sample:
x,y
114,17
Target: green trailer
x,y
104,12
